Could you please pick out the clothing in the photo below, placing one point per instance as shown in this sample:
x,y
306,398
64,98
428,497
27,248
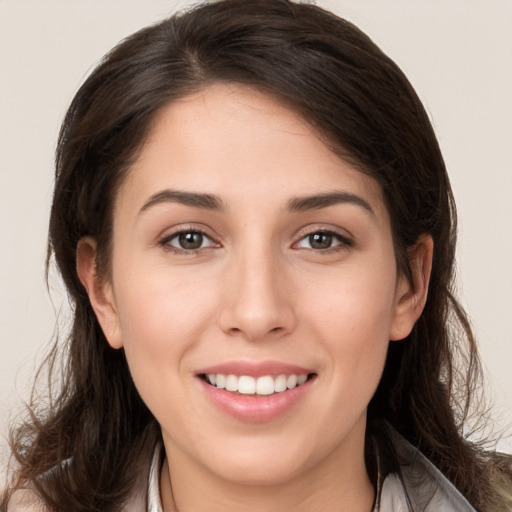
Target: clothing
x,y
433,492
427,489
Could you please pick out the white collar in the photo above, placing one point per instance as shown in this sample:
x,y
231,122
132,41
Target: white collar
x,y
154,500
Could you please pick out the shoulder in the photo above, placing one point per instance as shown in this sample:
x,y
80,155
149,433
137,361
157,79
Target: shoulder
x,y
400,495
25,500
418,485
143,490
393,496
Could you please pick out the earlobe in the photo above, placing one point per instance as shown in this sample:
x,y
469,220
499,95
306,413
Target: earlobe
x,y
99,291
411,294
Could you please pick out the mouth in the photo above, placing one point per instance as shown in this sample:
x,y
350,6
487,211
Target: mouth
x,y
264,385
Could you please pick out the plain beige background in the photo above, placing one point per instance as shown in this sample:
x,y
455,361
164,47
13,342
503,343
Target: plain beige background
x,y
457,54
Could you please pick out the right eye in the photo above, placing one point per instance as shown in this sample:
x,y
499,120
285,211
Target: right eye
x,y
185,241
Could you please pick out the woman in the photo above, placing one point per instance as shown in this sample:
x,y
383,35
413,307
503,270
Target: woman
x,y
254,223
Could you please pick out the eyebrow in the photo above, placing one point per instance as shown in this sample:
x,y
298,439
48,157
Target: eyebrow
x,y
318,201
215,203
194,199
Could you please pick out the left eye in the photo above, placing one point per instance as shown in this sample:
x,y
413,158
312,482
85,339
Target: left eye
x,y
189,240
322,240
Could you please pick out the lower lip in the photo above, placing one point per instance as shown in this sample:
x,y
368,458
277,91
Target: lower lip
x,y
256,408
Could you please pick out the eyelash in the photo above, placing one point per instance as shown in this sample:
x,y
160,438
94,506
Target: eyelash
x,y
343,242
165,242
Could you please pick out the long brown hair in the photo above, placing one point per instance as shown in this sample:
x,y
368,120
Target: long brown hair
x,y
80,452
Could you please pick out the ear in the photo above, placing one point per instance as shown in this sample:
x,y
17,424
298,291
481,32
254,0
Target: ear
x,y
411,295
99,290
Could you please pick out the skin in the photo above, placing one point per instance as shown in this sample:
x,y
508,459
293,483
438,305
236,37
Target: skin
x,y
256,290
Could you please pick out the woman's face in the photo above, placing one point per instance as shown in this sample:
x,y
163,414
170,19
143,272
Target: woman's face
x,y
247,254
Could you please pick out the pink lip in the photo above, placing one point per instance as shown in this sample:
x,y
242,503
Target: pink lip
x,y
255,408
255,368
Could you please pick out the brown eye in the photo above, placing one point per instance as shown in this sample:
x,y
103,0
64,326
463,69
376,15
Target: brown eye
x,y
188,241
323,241
191,240
320,240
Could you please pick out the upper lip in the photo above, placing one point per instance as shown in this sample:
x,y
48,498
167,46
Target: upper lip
x,y
255,368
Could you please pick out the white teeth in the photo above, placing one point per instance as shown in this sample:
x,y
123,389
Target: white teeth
x,y
265,385
220,381
231,383
291,382
248,385
301,379
280,384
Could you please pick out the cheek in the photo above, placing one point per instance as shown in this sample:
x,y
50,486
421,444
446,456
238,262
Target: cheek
x,y
352,318
161,319
161,322
155,299
356,306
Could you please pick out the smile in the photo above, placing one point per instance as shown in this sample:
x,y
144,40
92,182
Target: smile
x,y
248,385
256,391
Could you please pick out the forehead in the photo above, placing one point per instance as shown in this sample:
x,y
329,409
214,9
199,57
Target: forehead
x,y
235,142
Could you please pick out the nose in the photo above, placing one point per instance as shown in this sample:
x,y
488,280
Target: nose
x,y
258,299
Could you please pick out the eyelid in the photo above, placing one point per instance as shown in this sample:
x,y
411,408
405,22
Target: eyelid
x,y
345,239
163,240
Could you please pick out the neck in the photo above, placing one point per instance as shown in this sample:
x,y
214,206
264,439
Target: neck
x,y
339,483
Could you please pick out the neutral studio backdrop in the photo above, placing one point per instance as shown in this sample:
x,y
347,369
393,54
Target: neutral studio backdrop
x,y
457,54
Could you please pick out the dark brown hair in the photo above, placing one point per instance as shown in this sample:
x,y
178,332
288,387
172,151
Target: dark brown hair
x,y
333,75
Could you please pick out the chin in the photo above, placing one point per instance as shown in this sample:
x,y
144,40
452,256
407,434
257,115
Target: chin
x,y
260,465
257,474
